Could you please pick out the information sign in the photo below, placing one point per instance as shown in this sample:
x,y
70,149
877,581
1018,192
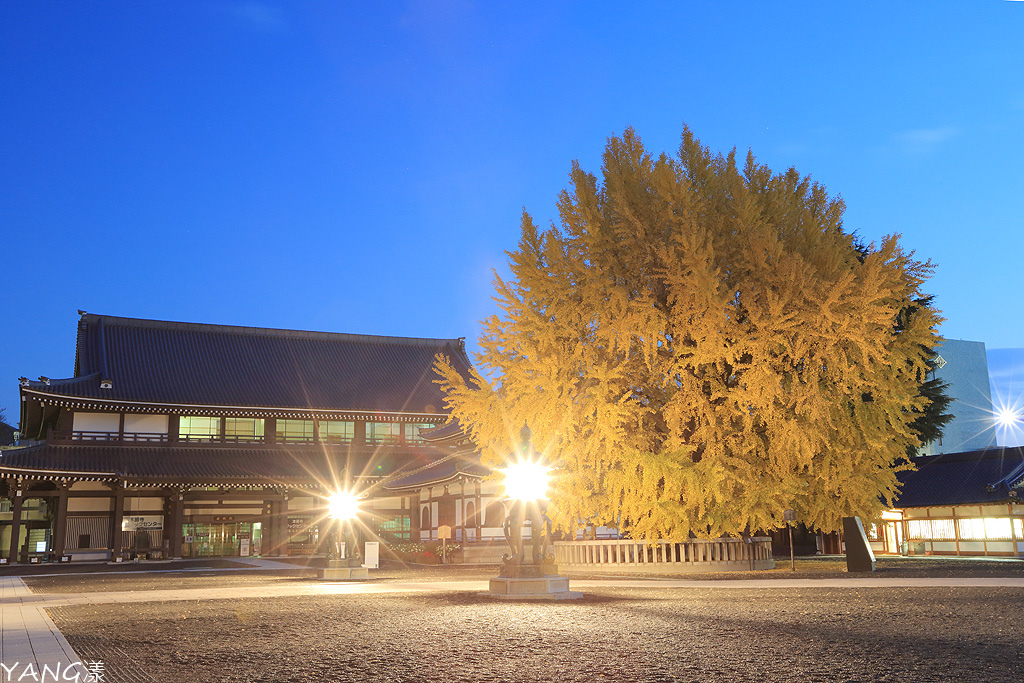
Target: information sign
x,y
371,554
141,522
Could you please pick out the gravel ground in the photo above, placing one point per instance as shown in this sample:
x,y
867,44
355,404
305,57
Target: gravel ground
x,y
95,583
830,567
879,634
807,568
125,568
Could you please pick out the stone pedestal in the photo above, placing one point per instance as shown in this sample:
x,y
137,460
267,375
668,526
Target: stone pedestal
x,y
343,570
532,588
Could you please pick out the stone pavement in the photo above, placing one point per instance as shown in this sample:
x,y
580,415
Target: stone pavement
x,y
31,647
30,636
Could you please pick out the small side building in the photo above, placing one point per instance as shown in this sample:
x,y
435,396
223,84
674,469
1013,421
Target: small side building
x,y
962,504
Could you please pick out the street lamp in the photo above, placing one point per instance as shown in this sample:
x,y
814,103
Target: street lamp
x,y
528,572
342,506
343,558
526,481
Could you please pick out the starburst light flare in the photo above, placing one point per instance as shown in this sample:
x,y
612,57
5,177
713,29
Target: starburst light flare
x,y
342,505
1008,417
526,481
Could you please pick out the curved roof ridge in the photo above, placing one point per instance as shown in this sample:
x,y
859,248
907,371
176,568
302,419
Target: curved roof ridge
x,y
266,331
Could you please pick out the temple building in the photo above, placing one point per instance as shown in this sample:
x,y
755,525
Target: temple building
x,y
182,440
190,440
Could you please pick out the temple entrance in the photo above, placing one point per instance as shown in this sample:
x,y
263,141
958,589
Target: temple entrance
x,y
894,537
222,539
35,532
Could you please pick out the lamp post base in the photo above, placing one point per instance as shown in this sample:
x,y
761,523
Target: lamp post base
x,y
344,570
532,588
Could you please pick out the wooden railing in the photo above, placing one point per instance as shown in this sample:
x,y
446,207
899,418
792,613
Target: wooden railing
x,y
694,555
131,437
147,437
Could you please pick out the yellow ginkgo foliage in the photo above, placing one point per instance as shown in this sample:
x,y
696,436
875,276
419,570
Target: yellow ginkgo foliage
x,y
698,347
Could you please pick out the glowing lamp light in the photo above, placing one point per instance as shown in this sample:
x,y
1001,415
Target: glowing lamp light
x,y
526,481
342,505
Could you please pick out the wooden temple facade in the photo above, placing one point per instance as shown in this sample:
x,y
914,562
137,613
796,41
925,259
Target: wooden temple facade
x,y
964,504
188,440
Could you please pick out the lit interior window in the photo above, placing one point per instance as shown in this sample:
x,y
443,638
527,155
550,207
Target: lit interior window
x,y
997,528
243,428
971,529
382,432
300,431
191,427
412,431
337,431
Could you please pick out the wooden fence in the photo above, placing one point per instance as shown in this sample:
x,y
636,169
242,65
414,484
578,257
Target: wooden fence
x,y
695,555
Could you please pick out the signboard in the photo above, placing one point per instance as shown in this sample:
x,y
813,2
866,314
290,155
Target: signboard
x,y
142,522
371,555
444,531
789,515
243,547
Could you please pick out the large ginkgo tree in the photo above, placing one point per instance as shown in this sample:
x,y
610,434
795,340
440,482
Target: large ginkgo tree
x,y
699,346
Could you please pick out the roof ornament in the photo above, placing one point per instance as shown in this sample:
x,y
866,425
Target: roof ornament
x,y
23,381
106,383
44,380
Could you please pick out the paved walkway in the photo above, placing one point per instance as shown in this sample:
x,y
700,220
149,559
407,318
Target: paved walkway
x,y
30,636
31,647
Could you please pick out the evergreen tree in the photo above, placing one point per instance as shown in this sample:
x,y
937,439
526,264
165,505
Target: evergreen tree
x,y
698,347
6,430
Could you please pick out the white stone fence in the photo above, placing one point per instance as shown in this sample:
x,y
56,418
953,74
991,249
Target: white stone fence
x,y
694,555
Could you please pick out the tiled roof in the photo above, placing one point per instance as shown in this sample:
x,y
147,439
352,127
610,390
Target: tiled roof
x,y
217,365
289,465
465,463
974,477
450,432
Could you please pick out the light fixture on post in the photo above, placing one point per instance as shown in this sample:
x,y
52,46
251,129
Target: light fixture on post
x,y
344,562
528,571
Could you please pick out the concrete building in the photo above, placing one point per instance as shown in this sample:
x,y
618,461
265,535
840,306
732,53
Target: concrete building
x,y
964,368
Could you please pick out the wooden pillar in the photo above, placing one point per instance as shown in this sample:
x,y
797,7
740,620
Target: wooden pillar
x,y
115,521
173,427
480,511
1013,532
278,527
60,530
414,517
462,511
270,429
268,541
16,499
175,523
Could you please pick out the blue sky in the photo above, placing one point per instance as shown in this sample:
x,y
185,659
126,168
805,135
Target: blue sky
x,y
338,167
